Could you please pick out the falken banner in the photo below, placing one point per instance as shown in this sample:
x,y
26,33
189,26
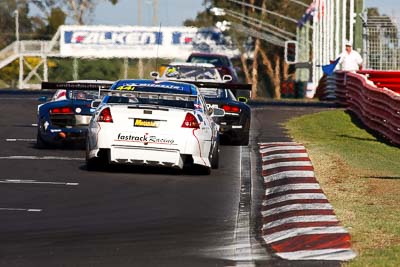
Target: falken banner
x,y
140,42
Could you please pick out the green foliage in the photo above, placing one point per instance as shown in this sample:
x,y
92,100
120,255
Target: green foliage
x,y
92,69
56,18
7,21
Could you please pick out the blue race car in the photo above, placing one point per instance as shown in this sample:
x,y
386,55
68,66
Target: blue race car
x,y
235,125
63,120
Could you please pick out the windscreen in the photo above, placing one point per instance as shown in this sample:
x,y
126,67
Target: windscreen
x,y
82,94
192,72
216,61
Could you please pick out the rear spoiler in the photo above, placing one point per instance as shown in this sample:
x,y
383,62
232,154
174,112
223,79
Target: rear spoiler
x,y
151,95
76,85
221,85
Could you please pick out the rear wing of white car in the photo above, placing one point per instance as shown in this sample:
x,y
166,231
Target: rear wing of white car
x,y
219,85
76,85
149,95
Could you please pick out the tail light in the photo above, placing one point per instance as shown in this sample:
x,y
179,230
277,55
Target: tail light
x,y
190,122
62,110
231,109
105,116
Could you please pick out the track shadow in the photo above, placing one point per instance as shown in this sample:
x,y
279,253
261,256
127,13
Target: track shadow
x,y
384,177
379,137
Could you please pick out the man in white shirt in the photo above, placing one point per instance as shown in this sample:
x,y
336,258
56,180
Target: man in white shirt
x,y
350,59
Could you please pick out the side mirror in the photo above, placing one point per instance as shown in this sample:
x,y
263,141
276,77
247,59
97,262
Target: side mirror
x,y
242,99
218,112
227,78
154,74
95,103
42,99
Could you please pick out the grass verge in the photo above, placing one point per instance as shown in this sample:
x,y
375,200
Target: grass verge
x,y
360,175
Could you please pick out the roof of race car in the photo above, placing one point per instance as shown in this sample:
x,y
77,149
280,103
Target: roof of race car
x,y
191,64
155,86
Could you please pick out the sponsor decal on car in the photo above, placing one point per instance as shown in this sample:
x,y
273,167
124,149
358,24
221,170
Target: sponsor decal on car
x,y
126,87
146,123
146,139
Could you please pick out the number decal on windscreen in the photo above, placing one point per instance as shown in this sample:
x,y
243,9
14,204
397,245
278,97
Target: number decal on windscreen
x,y
126,87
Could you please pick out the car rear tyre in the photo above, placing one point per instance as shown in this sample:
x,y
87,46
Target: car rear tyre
x,y
40,143
243,140
215,157
204,170
96,163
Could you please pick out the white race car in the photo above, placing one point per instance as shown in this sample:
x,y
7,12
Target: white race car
x,y
155,123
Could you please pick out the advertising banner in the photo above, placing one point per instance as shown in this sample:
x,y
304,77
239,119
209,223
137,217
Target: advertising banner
x,y
99,41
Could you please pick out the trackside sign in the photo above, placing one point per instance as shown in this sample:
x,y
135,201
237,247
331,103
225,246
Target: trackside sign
x,y
135,41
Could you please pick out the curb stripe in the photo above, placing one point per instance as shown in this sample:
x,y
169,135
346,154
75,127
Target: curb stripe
x,y
303,231
292,207
295,201
279,148
289,187
288,174
284,169
310,218
323,254
266,162
285,156
280,216
284,151
286,164
297,225
301,191
287,197
286,181
317,242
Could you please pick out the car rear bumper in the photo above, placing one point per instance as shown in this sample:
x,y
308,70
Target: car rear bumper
x,y
146,156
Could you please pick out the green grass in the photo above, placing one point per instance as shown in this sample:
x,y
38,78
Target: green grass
x,y
360,175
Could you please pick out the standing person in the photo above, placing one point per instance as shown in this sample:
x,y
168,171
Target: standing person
x,y
350,59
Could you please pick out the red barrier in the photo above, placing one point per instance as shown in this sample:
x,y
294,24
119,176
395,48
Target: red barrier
x,y
378,108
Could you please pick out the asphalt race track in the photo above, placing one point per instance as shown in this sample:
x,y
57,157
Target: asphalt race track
x,y
55,213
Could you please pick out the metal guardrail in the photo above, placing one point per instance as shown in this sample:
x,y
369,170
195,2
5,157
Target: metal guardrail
x,y
378,108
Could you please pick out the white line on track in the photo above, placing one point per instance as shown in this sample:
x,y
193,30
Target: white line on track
x,y
20,140
42,158
16,181
19,209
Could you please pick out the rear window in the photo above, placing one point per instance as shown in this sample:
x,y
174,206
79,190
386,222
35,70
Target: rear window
x,y
191,72
83,94
213,92
149,101
216,61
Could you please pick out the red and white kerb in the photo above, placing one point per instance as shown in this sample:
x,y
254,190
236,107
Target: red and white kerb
x,y
298,221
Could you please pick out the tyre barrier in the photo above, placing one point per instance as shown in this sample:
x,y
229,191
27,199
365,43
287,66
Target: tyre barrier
x,y
298,222
378,108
